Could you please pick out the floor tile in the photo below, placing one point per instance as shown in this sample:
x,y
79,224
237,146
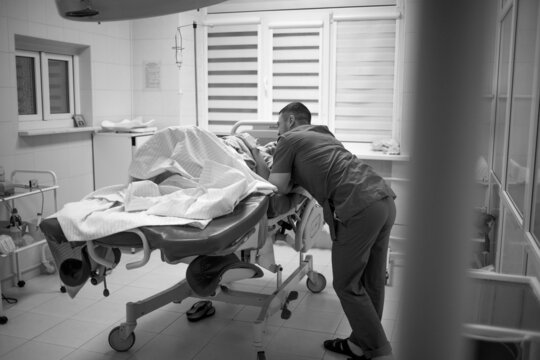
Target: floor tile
x,y
104,312
273,355
37,350
80,354
63,306
298,342
221,351
239,332
166,347
225,310
321,301
8,343
250,314
71,333
312,320
27,300
29,325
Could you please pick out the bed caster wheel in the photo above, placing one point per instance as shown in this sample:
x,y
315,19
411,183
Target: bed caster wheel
x,y
63,289
318,285
3,320
261,355
117,343
93,281
21,283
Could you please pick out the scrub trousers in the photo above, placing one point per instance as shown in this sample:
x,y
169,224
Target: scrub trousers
x,y
359,255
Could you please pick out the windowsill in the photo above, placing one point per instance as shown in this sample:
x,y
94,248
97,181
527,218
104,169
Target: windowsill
x,y
54,131
364,152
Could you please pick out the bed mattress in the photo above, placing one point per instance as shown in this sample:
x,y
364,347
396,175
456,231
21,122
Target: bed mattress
x,y
177,242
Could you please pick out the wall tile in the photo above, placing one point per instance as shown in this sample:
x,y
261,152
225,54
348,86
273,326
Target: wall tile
x,y
4,40
38,12
8,104
9,138
17,9
37,29
7,77
102,48
72,36
16,27
55,33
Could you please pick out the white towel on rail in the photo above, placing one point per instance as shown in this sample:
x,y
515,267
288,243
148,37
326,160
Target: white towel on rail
x,y
217,177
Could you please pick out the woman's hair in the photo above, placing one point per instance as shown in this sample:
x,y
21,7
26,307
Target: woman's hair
x,y
299,110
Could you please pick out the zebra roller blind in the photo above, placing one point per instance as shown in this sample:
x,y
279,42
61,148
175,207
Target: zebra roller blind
x,y
296,64
233,65
364,80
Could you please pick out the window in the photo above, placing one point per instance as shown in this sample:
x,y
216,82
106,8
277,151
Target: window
x,y
45,86
524,103
342,63
28,85
296,62
365,58
502,94
233,69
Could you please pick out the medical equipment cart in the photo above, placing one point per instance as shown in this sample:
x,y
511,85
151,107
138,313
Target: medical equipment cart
x,y
21,191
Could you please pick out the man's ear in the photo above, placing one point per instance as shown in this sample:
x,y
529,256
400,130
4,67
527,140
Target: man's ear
x,y
291,120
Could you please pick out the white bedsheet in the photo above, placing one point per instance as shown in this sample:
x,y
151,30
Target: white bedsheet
x,y
211,180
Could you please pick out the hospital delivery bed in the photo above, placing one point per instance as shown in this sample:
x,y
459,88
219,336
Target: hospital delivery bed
x,y
230,248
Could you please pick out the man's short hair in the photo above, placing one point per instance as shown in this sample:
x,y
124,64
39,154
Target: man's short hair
x,y
300,111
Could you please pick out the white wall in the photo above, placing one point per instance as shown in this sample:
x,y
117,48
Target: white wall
x,y
153,41
68,155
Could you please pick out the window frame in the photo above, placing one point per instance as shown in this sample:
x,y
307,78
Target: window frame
x,y
45,57
41,72
37,81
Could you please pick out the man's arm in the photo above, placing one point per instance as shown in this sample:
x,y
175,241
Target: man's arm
x,y
282,181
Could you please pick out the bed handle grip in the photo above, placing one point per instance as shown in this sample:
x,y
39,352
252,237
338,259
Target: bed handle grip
x,y
111,264
97,258
146,251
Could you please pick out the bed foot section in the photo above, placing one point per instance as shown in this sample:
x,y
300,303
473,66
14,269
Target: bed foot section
x,y
122,337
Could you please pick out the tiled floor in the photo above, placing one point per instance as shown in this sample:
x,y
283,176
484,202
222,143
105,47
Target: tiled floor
x,y
47,325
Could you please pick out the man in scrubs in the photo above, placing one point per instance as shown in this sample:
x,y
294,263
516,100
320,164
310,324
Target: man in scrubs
x,y
360,211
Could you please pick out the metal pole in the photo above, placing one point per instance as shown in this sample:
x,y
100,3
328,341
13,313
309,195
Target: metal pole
x,y
196,84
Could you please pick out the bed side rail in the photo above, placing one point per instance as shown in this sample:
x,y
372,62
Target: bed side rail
x,y
265,131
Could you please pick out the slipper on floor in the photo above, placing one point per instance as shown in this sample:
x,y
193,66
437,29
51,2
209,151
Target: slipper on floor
x,y
200,310
341,346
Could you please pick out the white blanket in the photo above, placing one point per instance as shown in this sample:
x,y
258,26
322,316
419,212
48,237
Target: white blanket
x,y
210,180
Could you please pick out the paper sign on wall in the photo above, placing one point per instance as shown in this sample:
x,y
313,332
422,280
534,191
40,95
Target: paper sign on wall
x,y
152,75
